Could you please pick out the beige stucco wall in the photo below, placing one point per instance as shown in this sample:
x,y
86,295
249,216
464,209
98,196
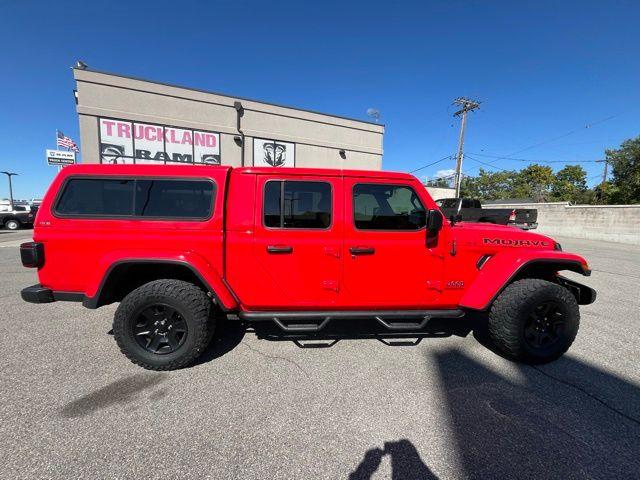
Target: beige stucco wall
x,y
438,193
613,223
318,137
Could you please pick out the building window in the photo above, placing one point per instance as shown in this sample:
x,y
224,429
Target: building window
x,y
273,153
294,204
123,142
378,206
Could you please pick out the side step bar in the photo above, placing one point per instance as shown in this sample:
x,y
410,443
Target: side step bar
x,y
393,320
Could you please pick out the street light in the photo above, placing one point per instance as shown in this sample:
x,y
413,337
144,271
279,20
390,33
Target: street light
x,y
9,175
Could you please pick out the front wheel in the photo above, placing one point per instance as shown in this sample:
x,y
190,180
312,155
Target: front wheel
x,y
534,321
164,324
12,224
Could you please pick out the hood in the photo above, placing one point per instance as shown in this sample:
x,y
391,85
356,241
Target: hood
x,y
492,236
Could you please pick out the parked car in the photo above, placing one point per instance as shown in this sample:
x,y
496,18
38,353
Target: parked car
x,y
182,248
20,217
471,210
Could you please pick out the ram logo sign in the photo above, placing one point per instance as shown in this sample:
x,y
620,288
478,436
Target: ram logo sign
x,y
273,153
508,242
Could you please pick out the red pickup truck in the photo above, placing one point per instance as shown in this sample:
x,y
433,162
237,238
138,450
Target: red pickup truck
x,y
182,247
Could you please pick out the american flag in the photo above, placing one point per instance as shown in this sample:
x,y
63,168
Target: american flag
x,y
66,142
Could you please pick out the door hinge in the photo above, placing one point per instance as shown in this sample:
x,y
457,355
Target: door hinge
x,y
330,285
334,252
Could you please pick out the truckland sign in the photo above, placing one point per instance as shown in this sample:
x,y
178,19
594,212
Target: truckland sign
x,y
123,142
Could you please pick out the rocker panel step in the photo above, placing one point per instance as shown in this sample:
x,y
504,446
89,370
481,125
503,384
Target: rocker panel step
x,y
319,319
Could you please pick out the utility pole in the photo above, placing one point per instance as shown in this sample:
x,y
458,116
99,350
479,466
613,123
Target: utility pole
x,y
9,175
466,105
603,186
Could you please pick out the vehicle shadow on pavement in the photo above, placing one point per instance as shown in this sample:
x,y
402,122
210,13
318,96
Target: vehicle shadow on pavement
x,y
122,392
562,420
406,463
227,336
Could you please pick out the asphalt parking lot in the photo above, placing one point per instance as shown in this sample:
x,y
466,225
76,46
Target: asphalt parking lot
x,y
71,406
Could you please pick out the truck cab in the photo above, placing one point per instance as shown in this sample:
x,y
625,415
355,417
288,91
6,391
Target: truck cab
x,y
183,247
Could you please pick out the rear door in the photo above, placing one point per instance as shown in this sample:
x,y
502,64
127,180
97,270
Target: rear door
x,y
297,243
387,262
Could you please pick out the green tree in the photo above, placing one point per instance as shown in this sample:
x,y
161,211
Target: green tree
x,y
570,184
439,182
625,173
489,185
534,181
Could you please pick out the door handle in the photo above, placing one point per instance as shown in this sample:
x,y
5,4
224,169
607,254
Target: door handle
x,y
362,250
279,249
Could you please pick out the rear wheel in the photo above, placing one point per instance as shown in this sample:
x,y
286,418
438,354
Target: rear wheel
x,y
164,324
534,321
12,224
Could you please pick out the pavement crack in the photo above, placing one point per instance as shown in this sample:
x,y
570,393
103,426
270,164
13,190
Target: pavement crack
x,y
276,357
617,274
589,394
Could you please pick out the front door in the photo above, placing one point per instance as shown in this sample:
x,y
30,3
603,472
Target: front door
x,y
298,242
387,263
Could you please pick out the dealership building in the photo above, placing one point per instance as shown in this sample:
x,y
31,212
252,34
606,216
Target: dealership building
x,y
129,120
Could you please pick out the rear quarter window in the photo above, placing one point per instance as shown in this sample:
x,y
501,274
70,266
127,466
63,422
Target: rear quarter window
x,y
96,197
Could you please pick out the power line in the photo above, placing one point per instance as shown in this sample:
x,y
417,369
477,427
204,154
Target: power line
x,y
431,164
544,142
531,160
487,164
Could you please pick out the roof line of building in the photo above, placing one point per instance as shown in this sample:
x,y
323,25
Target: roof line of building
x,y
227,95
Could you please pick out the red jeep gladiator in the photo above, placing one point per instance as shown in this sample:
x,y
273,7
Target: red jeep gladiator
x,y
181,247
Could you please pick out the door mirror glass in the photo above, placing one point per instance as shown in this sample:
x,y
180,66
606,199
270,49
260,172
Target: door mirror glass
x,y
434,223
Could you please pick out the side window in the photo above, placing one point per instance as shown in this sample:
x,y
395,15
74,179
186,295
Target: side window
x,y
154,198
387,207
102,197
447,203
294,204
174,198
467,203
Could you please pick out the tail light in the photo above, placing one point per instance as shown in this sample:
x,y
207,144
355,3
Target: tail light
x,y
512,217
32,254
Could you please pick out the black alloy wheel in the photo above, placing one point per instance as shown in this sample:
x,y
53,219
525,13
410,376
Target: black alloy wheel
x,y
160,329
533,321
164,324
545,325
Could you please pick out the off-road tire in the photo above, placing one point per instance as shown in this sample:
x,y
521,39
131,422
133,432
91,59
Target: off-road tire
x,y
510,313
193,305
12,224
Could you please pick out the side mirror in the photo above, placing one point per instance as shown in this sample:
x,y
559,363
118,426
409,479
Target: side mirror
x,y
434,223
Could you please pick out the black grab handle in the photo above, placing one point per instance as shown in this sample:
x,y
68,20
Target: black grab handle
x,y
362,250
279,249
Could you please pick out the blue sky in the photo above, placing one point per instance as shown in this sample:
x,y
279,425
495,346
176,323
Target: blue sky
x,y
558,80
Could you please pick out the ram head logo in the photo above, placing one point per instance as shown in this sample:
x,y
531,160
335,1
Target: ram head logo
x,y
112,153
275,154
